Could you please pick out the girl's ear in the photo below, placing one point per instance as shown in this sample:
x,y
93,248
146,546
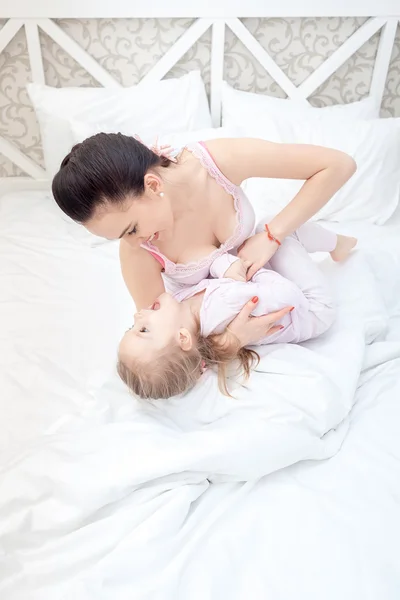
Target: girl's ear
x,y
185,339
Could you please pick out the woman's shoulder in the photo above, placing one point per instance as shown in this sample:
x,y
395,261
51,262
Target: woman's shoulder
x,y
213,155
242,158
226,153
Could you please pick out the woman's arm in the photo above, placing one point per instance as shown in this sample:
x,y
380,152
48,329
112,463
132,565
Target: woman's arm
x,y
141,273
324,170
245,330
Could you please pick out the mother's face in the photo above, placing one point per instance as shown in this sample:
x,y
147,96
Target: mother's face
x,y
136,220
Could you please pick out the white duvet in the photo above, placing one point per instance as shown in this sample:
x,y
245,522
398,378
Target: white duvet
x,y
102,497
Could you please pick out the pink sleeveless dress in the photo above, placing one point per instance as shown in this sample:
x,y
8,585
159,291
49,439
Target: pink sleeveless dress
x,y
177,276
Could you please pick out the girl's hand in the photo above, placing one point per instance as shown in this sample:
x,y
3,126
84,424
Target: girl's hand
x,y
237,270
162,150
257,251
249,330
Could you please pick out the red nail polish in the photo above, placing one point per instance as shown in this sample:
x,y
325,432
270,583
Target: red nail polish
x,y
281,327
291,309
255,299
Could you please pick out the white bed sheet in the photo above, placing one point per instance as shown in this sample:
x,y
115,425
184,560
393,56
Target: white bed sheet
x,y
327,529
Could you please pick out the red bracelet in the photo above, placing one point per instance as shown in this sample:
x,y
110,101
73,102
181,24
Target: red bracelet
x,y
270,236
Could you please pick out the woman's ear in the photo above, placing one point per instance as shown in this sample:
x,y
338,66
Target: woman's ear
x,y
185,339
152,182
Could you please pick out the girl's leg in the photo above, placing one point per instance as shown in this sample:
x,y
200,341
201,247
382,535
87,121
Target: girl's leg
x,y
316,238
293,262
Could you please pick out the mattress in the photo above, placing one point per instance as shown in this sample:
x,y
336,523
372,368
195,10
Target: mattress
x,y
102,498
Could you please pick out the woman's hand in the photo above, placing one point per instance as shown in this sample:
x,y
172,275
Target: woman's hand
x,y
256,252
245,330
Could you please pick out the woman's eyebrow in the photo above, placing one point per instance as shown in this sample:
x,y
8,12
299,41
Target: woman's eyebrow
x,y
124,231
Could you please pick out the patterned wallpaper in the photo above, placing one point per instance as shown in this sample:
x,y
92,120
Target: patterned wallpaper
x,y
128,48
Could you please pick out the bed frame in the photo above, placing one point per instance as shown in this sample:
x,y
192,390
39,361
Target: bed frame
x,y
384,16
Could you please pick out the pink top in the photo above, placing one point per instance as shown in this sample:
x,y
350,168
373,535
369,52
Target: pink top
x,y
177,276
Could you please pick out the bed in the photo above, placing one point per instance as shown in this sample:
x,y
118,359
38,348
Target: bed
x,y
289,490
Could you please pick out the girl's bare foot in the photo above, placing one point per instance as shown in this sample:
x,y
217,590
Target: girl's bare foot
x,y
344,246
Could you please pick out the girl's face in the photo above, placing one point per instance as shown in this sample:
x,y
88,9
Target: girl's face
x,y
166,322
138,219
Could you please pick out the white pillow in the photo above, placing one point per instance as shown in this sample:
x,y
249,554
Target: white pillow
x,y
245,108
372,194
170,105
82,130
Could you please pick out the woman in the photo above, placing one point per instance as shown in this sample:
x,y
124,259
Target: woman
x,y
165,213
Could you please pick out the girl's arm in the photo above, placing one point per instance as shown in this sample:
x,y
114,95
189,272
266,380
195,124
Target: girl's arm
x,y
141,273
227,265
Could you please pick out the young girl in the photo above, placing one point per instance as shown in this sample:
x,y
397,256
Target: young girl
x,y
173,341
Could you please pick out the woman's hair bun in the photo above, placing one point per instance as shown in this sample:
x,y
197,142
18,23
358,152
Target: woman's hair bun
x,y
67,158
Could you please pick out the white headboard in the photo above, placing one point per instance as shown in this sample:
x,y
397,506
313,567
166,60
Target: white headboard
x,y
217,16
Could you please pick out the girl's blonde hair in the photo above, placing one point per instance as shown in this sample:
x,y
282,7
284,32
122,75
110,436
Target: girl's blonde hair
x,y
176,371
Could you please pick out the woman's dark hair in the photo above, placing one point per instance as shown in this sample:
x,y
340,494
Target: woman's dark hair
x,y
104,168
